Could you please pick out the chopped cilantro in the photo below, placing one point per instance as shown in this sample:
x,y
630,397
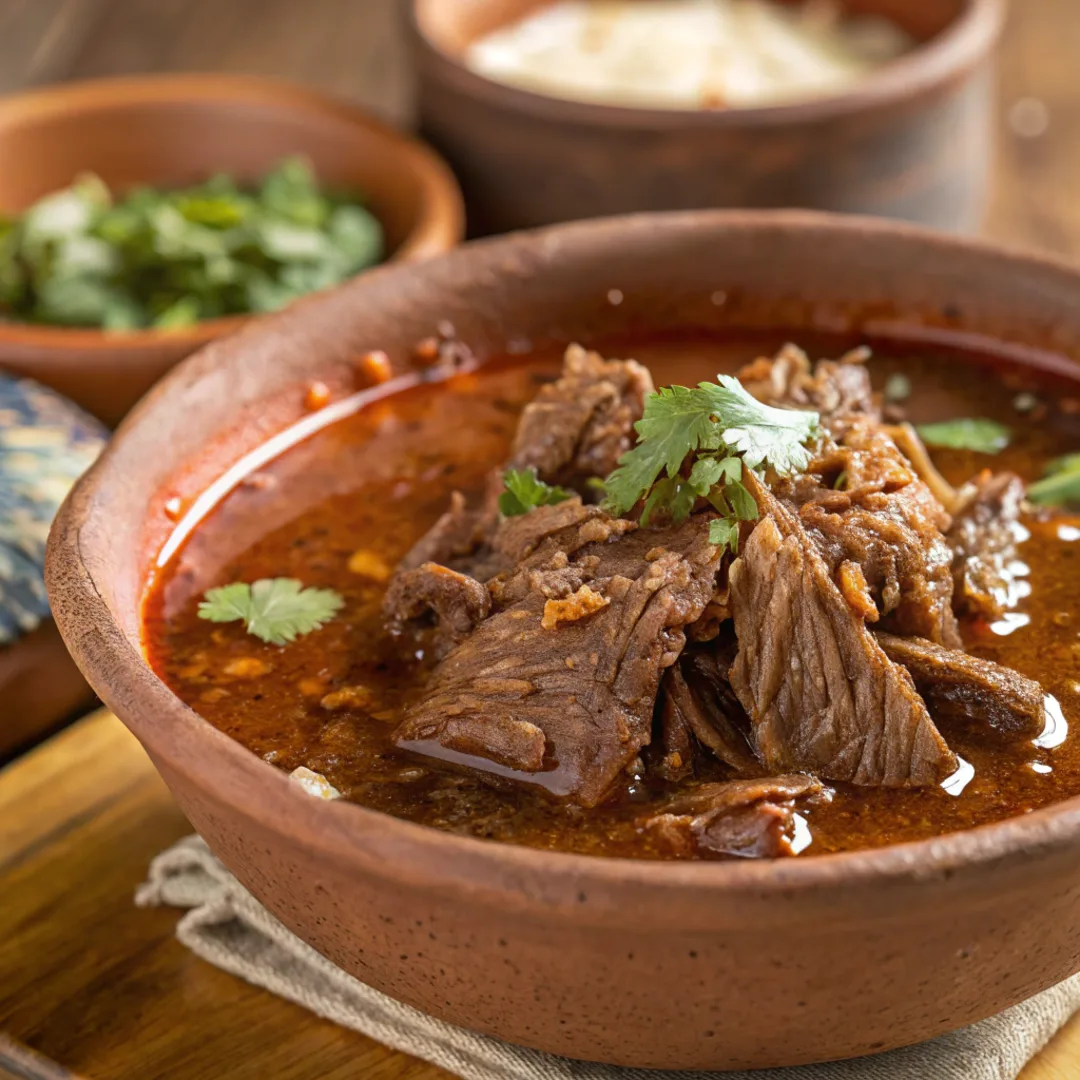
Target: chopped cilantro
x,y
966,433
724,533
276,610
1060,485
524,492
168,259
761,434
723,429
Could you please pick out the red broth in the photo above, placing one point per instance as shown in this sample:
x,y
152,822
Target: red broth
x,y
361,491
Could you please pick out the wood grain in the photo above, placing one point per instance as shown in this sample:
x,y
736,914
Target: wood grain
x,y
103,988
1061,1059
87,980
347,47
1035,182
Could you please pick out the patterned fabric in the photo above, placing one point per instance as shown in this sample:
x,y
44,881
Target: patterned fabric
x,y
46,444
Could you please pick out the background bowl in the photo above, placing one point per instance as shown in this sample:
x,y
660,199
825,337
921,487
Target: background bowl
x,y
911,141
175,130
736,964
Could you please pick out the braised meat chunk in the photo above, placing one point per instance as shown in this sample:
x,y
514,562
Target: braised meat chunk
x,y
736,818
863,505
575,430
837,390
878,524
983,538
820,691
579,426
460,538
698,700
952,683
587,683
439,600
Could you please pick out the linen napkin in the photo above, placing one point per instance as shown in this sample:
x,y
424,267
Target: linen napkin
x,y
227,926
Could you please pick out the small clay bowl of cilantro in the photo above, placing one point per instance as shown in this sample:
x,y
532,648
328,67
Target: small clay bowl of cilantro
x,y
141,218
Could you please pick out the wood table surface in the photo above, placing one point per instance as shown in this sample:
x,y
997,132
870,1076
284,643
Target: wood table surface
x,y
87,980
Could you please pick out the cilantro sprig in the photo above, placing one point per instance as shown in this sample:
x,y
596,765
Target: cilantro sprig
x,y
694,442
276,610
1060,485
966,433
525,491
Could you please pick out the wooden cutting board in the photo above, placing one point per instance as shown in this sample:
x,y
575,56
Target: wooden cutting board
x,y
103,989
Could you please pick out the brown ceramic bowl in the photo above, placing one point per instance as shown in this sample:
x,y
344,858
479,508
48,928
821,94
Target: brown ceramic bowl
x,y
694,965
912,141
174,130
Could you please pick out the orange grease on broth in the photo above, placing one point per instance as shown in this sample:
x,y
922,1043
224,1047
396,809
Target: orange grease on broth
x,y
374,482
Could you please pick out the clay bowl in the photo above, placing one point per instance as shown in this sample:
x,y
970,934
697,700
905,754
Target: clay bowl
x,y
912,141
174,130
718,965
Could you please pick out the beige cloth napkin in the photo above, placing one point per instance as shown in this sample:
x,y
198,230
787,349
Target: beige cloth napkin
x,y
225,925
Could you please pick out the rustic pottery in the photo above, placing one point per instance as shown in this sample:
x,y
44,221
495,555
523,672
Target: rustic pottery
x,y
911,141
174,130
696,965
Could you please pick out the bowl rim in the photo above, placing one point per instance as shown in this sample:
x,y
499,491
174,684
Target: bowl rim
x,y
439,227
949,54
189,745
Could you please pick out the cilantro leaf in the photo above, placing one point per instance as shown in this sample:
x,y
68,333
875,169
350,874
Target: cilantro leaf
x,y
742,502
759,433
1060,486
228,603
676,421
276,610
706,472
717,429
673,496
724,532
525,491
966,433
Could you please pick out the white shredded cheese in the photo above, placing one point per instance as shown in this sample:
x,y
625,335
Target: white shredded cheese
x,y
685,54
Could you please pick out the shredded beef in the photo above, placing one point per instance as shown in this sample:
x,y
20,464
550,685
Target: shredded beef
x,y
735,818
878,525
543,549
674,746
433,598
698,698
836,389
863,505
588,685
460,539
953,683
820,692
983,538
560,634
579,426
576,429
